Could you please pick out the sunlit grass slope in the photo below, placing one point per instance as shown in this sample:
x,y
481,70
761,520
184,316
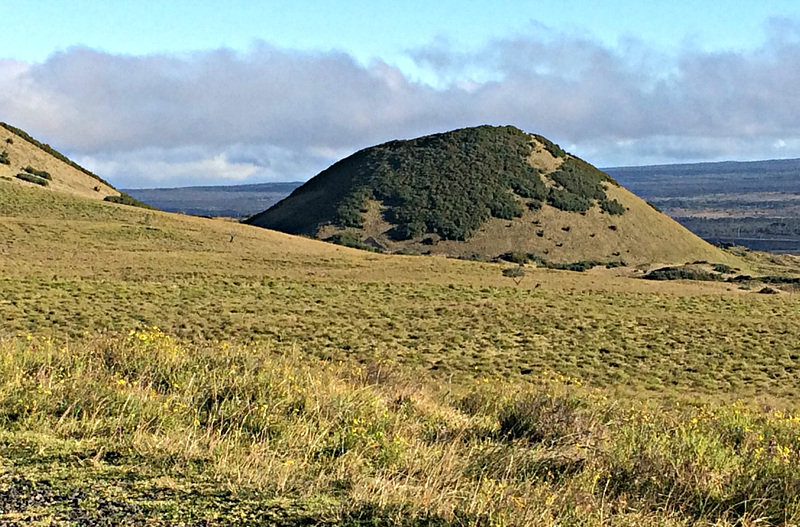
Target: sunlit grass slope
x,y
180,370
21,153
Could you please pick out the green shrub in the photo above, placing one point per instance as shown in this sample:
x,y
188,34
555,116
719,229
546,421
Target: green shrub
x,y
612,207
722,268
41,173
30,178
579,184
654,206
505,207
4,158
681,273
351,209
127,199
567,201
517,257
350,239
580,266
515,273
529,184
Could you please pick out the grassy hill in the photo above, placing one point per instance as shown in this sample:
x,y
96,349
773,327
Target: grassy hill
x,y
169,370
27,162
479,193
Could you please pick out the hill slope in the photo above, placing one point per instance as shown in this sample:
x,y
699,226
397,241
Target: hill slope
x,y
481,192
46,167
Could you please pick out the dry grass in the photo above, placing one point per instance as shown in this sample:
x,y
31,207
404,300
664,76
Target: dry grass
x,y
460,398
66,179
351,438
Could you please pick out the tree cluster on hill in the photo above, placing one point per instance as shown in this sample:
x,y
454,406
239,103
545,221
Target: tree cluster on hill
x,y
449,184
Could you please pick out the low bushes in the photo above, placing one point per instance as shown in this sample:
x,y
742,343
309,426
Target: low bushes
x,y
127,199
41,173
681,273
30,178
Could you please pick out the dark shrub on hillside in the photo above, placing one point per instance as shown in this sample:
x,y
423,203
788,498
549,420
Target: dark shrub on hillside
x,y
4,158
30,178
580,267
529,184
567,201
41,173
722,268
585,187
681,273
612,207
517,273
350,211
517,257
505,208
534,204
654,206
350,239
127,199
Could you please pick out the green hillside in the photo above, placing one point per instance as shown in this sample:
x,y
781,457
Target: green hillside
x,y
481,192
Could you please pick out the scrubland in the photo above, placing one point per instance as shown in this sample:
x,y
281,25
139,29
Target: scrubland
x,y
154,372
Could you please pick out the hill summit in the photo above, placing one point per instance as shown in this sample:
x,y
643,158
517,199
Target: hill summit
x,y
481,192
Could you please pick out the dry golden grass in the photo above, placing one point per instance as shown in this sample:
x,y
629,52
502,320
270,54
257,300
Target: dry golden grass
x,y
66,179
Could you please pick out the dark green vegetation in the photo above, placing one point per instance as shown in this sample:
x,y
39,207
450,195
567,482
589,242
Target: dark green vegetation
x,y
126,199
32,178
4,158
522,258
448,184
681,273
50,150
40,173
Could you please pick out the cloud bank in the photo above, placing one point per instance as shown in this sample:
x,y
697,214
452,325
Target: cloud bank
x,y
221,116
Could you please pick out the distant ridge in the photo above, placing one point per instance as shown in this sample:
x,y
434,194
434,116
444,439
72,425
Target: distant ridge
x,y
479,193
234,201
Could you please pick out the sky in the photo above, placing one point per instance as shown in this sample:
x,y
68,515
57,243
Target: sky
x,y
176,93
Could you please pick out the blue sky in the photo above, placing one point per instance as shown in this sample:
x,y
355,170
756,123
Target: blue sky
x,y
179,92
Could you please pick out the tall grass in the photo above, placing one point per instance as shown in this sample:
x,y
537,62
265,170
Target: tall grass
x,y
371,437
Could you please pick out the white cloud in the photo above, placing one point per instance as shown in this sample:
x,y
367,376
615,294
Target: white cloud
x,y
221,116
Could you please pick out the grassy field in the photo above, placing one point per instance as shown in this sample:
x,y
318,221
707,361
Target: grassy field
x,y
169,370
